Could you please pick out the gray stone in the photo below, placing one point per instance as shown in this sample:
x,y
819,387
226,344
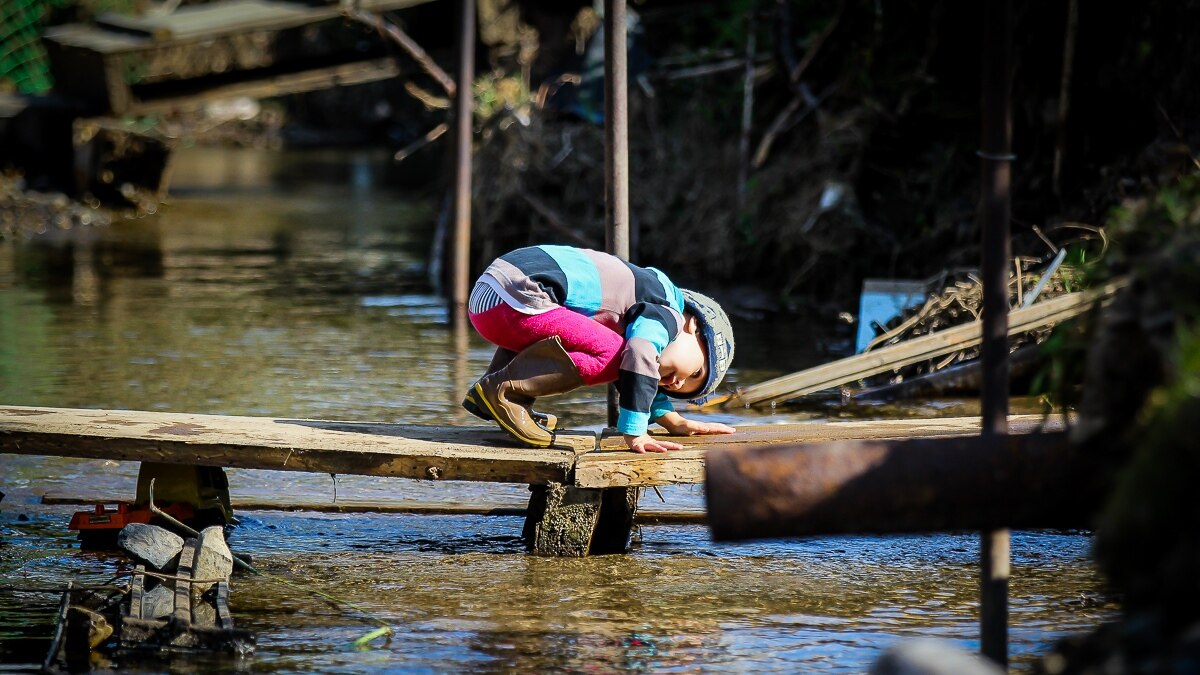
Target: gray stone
x,y
158,602
151,544
213,559
932,657
204,614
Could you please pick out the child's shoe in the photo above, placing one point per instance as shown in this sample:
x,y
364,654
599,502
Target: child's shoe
x,y
544,368
499,360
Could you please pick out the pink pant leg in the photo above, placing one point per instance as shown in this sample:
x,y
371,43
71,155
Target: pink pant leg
x,y
594,348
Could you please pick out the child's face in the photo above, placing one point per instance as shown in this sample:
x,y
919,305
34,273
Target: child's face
x,y
681,366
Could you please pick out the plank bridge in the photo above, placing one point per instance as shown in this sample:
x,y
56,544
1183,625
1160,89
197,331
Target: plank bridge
x,y
585,488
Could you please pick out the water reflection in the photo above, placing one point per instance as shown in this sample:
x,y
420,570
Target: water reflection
x,y
294,286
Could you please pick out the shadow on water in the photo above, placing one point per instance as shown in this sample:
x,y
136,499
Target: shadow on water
x,y
293,286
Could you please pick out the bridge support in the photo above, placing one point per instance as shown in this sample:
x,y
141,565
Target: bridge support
x,y
203,488
574,522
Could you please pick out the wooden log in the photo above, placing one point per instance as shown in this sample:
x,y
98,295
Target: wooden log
x,y
404,451
920,349
881,486
614,466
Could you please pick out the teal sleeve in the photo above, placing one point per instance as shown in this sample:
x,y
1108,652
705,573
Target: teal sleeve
x,y
661,406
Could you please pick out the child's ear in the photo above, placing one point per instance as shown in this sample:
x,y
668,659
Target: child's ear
x,y
691,324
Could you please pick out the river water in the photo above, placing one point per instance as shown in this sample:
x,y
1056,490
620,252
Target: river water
x,y
293,284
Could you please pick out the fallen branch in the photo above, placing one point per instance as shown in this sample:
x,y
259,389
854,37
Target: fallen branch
x,y
406,43
427,99
433,134
781,122
555,222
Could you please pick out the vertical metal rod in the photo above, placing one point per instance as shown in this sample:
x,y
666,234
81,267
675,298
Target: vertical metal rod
x,y
747,109
464,100
994,213
616,146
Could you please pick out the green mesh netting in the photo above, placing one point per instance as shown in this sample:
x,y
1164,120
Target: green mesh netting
x,y
23,66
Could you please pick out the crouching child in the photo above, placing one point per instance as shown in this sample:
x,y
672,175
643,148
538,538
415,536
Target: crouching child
x,y
563,317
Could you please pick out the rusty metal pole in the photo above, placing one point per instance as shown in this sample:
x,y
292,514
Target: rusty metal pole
x,y
464,100
616,146
994,212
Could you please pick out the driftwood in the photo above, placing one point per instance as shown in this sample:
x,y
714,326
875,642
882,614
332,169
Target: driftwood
x,y
555,221
431,136
920,349
406,43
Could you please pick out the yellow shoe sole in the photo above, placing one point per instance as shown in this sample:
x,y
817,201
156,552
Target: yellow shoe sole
x,y
531,442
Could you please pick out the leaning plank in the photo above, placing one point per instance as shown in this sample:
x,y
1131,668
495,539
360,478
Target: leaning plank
x,y
854,368
406,451
613,466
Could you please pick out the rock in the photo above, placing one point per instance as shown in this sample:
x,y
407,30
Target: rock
x,y
158,602
932,657
213,559
151,544
204,614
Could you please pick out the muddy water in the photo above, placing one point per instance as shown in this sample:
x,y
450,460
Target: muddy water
x,y
294,285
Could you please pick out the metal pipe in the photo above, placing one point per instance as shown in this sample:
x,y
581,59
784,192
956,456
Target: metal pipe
x,y
616,131
994,213
464,101
616,147
900,486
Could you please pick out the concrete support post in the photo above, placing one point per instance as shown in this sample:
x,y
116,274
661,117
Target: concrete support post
x,y
575,522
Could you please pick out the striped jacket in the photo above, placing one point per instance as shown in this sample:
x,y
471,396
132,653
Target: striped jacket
x,y
640,303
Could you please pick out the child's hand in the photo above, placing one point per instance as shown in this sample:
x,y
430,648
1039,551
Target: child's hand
x,y
678,425
645,443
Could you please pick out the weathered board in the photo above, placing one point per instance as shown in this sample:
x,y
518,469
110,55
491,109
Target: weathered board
x,y
613,466
138,64
423,452
916,350
399,450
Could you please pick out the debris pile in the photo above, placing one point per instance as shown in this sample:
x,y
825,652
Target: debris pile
x,y
177,598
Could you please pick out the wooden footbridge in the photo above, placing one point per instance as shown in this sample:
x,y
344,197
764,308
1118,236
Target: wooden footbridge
x,y
584,489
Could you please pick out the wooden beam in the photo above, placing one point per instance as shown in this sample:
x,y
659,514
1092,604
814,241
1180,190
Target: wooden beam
x,y
398,450
614,466
343,75
906,353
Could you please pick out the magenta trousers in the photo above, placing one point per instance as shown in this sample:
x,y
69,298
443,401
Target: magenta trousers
x,y
594,347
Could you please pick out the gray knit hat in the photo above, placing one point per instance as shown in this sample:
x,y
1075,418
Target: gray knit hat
x,y
718,339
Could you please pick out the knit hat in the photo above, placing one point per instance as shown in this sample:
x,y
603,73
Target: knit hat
x,y
718,340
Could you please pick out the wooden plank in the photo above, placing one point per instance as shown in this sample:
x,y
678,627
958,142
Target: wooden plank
x,y
342,75
398,450
137,588
614,466
920,349
206,21
183,585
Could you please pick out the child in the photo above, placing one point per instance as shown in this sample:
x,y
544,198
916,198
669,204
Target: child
x,y
566,317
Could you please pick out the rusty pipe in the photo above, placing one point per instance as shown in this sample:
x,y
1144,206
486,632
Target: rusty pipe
x,y
895,486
